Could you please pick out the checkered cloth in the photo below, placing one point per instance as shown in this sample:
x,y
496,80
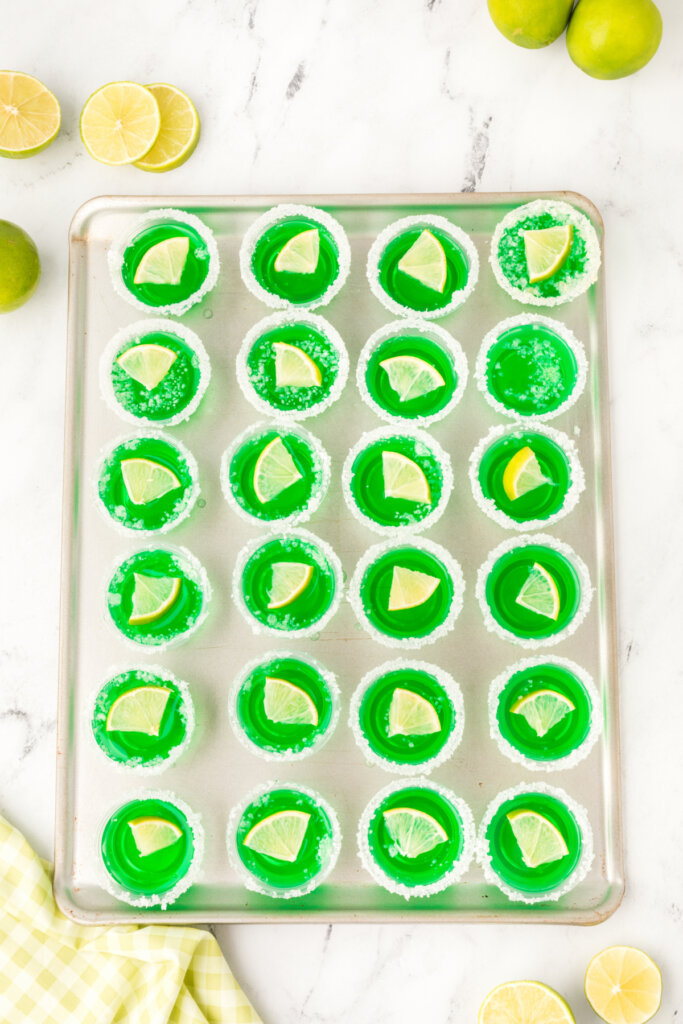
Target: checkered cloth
x,y
53,971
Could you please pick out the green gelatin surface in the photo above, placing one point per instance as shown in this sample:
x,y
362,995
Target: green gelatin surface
x,y
194,274
531,370
508,576
311,605
377,379
293,499
407,290
158,872
406,623
177,619
512,257
173,394
541,502
367,482
261,367
153,514
139,748
299,289
566,735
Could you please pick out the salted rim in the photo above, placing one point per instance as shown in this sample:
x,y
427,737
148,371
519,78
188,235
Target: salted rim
x,y
585,860
434,332
452,690
390,434
153,672
273,216
544,539
136,331
188,564
375,552
116,253
574,756
461,239
569,289
576,475
325,549
564,333
460,866
330,681
319,454
272,322
257,885
189,499
163,900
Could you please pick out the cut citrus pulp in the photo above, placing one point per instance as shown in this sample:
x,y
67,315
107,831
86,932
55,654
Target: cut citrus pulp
x,y
164,262
411,714
410,588
146,480
300,254
139,710
153,834
543,709
411,377
524,1002
403,478
288,704
147,364
29,115
152,597
280,835
120,123
539,841
539,593
178,133
623,985
275,471
414,832
294,368
426,262
289,581
546,250
522,474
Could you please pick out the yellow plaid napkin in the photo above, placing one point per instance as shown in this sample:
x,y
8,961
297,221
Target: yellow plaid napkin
x,y
53,971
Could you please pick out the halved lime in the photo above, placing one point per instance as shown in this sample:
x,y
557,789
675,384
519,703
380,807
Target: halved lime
x,y
539,841
300,254
294,368
120,123
546,250
539,593
178,133
411,377
410,588
414,832
153,834
522,474
623,985
152,597
524,1002
139,710
275,471
280,835
289,581
426,262
147,364
29,115
543,709
146,480
164,262
289,704
411,714
403,478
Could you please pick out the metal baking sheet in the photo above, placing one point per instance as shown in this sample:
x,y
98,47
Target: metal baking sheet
x,y
217,771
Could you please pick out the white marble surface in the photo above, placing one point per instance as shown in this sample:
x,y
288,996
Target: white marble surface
x,y
375,95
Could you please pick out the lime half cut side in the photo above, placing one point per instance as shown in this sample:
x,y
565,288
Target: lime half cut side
x,y
300,254
546,250
146,480
288,704
414,832
539,841
120,123
404,479
139,710
410,588
539,593
153,834
543,710
522,474
426,262
294,368
275,471
147,364
279,836
152,597
289,580
524,1002
411,377
410,714
29,115
623,985
164,262
178,133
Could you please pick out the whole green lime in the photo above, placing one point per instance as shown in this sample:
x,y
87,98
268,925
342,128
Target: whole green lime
x,y
19,267
614,38
530,23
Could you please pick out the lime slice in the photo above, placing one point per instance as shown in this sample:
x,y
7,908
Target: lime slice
x,y
539,841
543,709
286,703
403,478
300,254
29,115
164,262
413,832
280,835
411,377
524,1002
294,368
146,480
147,364
410,588
152,596
522,474
275,471
153,834
139,710
411,715
623,985
546,250
179,131
426,262
120,123
539,593
289,581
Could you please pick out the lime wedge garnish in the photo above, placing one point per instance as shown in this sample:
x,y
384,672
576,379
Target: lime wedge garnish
x,y
286,703
413,832
539,841
280,835
411,377
152,596
275,471
403,478
546,250
410,588
543,709
411,715
294,368
623,985
146,480
120,123
539,593
426,262
147,364
139,710
522,474
153,834
289,581
524,1002
30,115
300,254
164,262
179,131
